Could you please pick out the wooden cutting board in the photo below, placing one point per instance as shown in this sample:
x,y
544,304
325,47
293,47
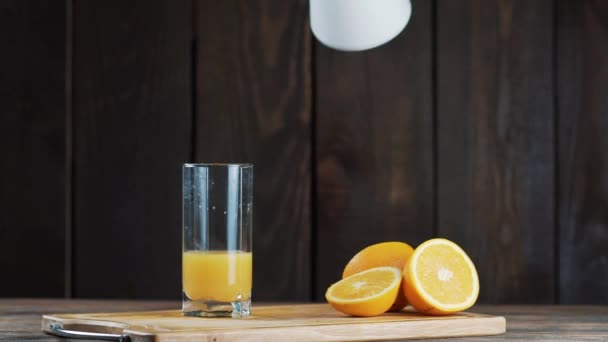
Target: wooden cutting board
x,y
301,322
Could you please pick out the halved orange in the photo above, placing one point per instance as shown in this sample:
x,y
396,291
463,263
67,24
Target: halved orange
x,y
440,278
368,293
393,254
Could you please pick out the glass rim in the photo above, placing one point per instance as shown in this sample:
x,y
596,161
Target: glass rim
x,y
240,165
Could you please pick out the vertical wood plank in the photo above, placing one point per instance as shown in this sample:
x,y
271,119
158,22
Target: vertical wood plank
x,y
253,105
583,151
495,143
132,120
32,146
374,138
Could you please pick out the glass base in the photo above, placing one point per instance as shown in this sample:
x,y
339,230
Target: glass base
x,y
211,308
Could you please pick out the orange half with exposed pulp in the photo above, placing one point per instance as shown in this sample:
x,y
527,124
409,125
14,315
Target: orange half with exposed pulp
x,y
368,293
439,278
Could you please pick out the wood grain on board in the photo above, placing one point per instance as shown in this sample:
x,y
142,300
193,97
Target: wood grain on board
x,y
495,131
300,322
582,69
132,120
253,104
33,133
20,319
374,146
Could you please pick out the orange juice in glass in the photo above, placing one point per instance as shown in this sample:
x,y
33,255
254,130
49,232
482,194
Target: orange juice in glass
x,y
217,275
217,259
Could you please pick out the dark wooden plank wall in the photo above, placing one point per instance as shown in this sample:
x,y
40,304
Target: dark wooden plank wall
x,y
496,144
482,122
131,96
33,128
253,89
582,93
374,137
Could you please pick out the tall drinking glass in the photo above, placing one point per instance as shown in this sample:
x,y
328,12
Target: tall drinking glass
x,y
217,231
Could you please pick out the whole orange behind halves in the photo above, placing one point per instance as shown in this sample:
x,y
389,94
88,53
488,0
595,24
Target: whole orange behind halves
x,y
440,278
392,254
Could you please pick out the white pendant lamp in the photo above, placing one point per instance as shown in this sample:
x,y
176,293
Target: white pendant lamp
x,y
356,25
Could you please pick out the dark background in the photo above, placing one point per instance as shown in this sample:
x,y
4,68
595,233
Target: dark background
x,y
485,122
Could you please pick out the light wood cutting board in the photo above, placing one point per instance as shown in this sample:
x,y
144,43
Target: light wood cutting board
x,y
295,322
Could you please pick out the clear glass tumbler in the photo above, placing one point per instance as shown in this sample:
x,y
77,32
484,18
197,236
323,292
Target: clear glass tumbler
x,y
217,231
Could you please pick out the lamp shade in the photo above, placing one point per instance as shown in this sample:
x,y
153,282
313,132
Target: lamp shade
x,y
356,25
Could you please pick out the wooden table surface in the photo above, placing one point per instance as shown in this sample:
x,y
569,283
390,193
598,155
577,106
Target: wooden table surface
x,y
20,319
